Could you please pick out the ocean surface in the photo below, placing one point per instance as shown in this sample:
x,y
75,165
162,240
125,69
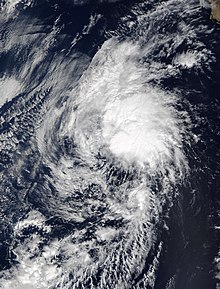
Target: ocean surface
x,y
109,145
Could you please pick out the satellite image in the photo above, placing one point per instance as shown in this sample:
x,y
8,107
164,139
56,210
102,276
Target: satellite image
x,y
109,144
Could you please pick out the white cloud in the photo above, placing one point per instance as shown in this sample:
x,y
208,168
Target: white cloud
x,y
9,88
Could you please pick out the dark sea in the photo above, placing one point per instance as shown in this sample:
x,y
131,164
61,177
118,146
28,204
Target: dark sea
x,y
109,145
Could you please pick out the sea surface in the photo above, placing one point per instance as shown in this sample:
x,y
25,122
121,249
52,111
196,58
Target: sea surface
x,y
109,145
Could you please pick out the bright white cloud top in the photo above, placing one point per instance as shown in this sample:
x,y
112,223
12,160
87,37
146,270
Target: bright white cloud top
x,y
111,145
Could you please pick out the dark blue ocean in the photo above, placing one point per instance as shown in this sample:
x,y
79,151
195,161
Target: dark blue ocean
x,y
109,145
